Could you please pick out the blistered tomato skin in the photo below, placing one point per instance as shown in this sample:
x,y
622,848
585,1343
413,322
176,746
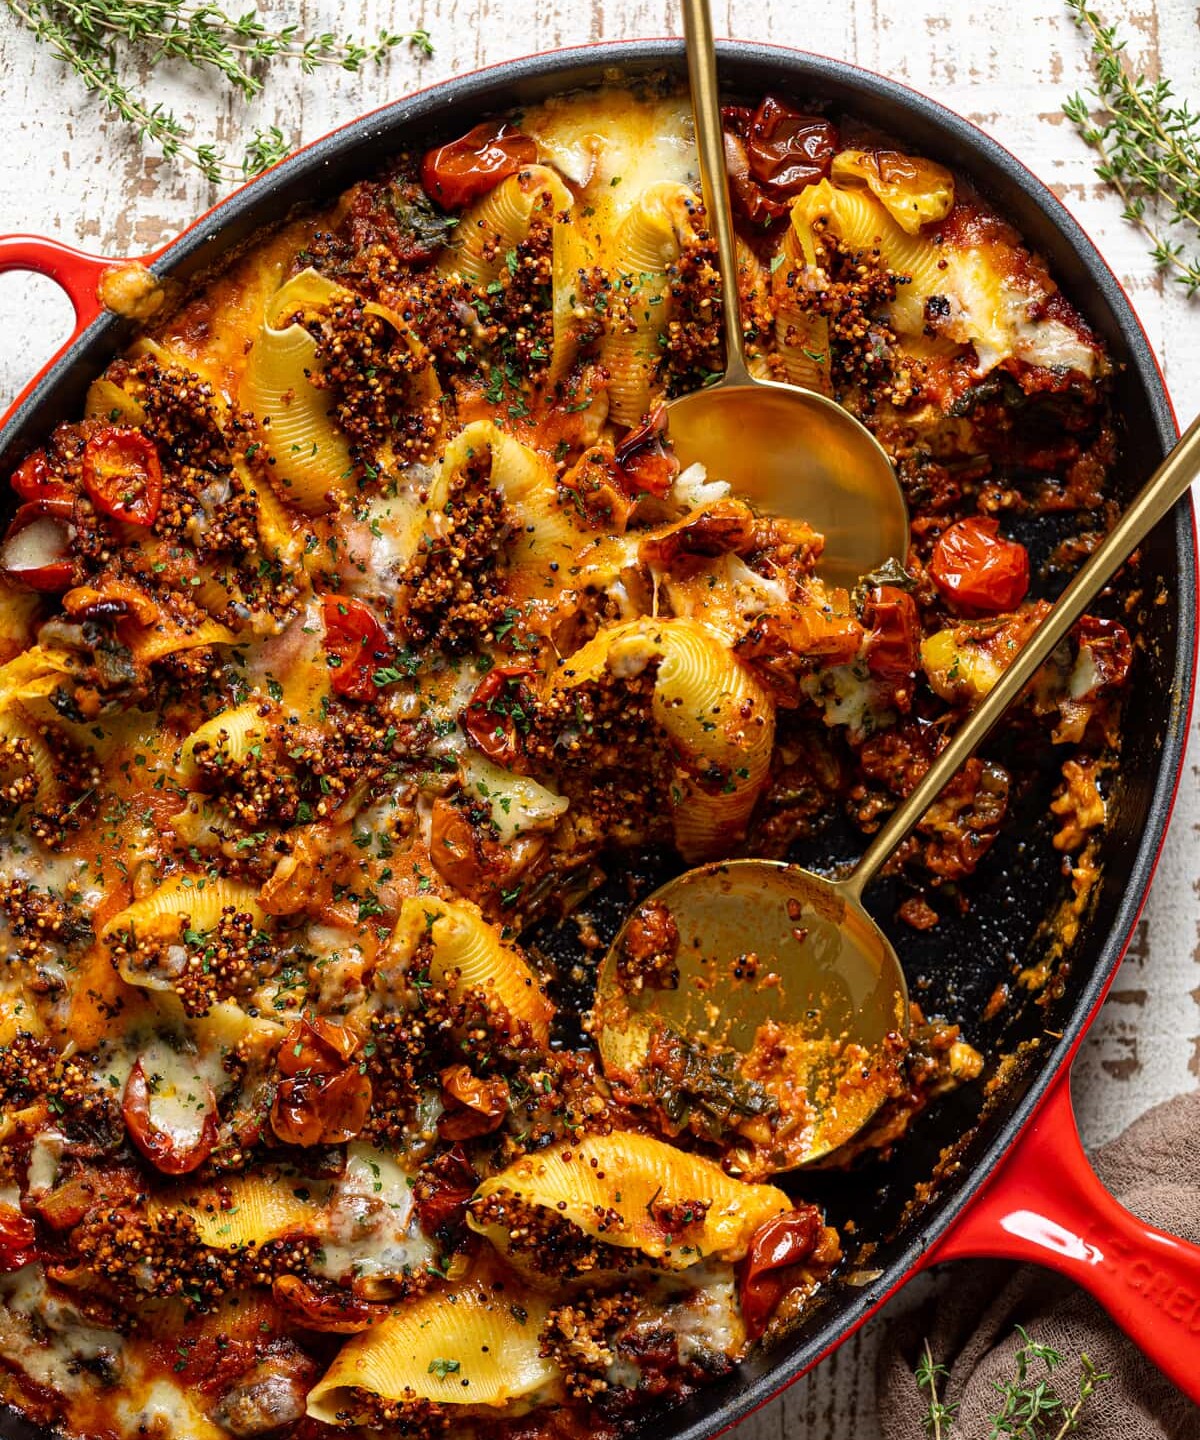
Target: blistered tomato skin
x,y
325,1096
893,644
788,150
493,714
456,174
977,571
358,646
123,475
17,1240
788,1239
156,1144
34,480
771,154
645,466
1110,647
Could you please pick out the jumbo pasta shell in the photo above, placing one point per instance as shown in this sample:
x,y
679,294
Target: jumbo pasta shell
x,y
637,1192
196,900
247,1210
468,954
474,1344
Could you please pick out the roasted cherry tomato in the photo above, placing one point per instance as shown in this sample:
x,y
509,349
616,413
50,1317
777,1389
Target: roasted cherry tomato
x,y
315,1045
645,464
467,168
17,1236
358,646
157,1145
977,571
788,1239
499,711
65,1206
123,475
34,480
473,1106
37,548
321,1109
597,490
785,150
1111,651
326,1097
749,197
442,1190
893,644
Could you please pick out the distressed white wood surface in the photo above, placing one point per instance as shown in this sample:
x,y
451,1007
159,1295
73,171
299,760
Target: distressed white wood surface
x,y
1006,64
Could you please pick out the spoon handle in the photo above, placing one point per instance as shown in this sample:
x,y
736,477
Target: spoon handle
x,y
1168,484
710,147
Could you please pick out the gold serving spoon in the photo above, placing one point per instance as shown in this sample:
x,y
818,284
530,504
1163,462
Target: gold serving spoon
x,y
783,972
789,451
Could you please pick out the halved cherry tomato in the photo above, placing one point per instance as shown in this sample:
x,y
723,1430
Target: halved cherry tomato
x,y
494,714
17,1236
893,645
357,644
977,571
1111,652
123,475
786,1240
37,547
34,480
645,464
786,150
469,167
158,1145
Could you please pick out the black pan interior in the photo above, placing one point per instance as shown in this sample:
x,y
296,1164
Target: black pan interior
x,y
954,968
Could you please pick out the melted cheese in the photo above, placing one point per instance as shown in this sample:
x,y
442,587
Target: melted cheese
x,y
847,696
614,151
162,1410
517,803
370,1225
49,1340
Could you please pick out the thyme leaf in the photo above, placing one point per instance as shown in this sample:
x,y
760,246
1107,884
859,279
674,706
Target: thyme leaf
x,y
92,36
1148,147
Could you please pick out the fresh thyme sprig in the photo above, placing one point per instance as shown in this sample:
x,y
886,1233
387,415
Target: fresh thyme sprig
x,y
86,35
1030,1406
939,1413
1148,145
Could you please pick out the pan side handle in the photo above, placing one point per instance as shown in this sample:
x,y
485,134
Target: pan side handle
x,y
79,274
1046,1205
92,283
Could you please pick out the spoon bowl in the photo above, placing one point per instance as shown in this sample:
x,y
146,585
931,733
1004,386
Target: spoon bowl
x,y
787,1000
795,453
788,451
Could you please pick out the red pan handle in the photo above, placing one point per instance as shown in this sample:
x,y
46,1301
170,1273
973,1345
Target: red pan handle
x,y
82,276
77,273
1046,1205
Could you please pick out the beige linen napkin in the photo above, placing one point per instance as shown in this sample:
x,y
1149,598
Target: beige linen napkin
x,y
1154,1170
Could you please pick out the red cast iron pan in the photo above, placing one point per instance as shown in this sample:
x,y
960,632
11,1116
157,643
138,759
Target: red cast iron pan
x,y
1012,1179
